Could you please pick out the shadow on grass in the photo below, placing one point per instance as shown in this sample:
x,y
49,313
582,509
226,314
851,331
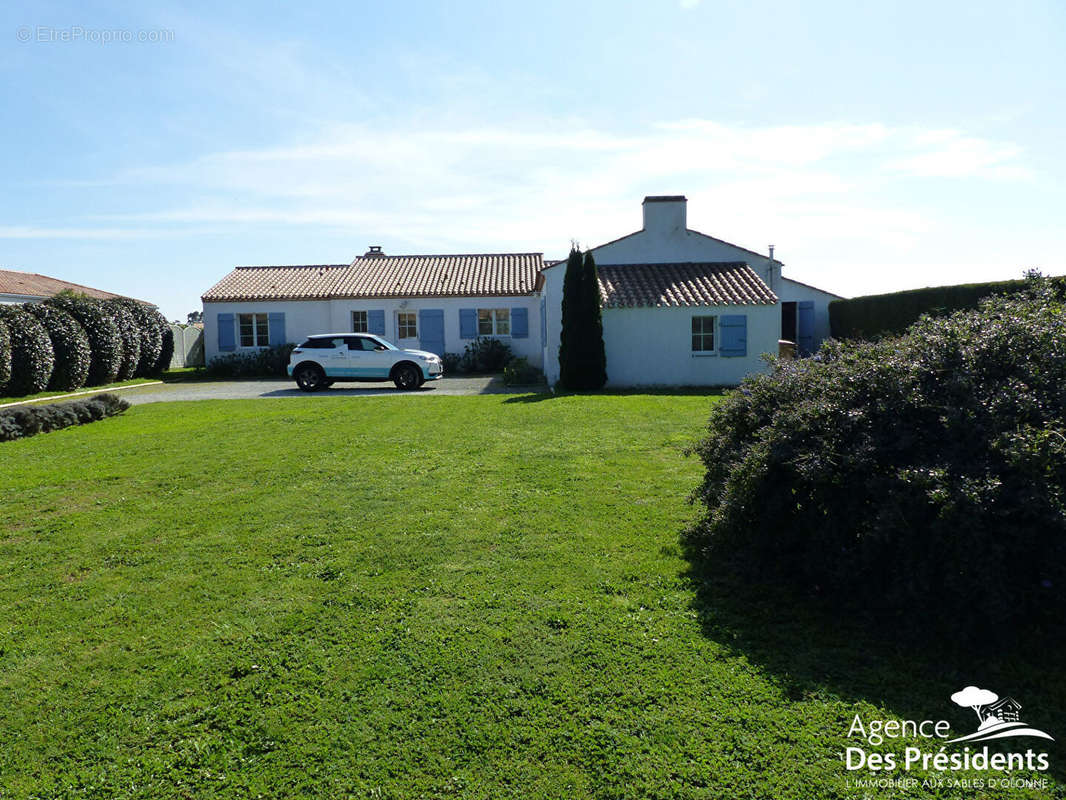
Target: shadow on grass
x,y
664,391
815,652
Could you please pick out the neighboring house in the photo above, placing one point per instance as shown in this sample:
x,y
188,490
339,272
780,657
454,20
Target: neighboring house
x,y
683,308
29,287
679,307
437,303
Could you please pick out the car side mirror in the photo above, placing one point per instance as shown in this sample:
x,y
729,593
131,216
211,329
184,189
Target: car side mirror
x,y
381,347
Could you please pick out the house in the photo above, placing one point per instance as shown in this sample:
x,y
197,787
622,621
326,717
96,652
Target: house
x,y
679,307
1006,710
29,287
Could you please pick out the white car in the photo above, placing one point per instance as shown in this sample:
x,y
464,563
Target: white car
x,y
325,358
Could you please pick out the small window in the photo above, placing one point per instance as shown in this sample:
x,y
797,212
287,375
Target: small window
x,y
703,334
255,330
406,327
361,343
494,322
359,322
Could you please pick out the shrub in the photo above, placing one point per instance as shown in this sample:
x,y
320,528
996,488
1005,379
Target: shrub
x,y
5,356
452,363
17,423
70,346
150,323
582,358
267,362
485,354
166,354
129,331
104,339
32,358
519,372
923,472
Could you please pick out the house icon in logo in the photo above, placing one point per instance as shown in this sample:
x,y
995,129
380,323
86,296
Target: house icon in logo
x,y
1006,709
998,717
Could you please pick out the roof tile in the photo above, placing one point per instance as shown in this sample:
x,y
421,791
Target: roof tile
x,y
687,284
30,284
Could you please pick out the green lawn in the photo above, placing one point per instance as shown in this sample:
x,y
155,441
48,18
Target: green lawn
x,y
397,597
85,390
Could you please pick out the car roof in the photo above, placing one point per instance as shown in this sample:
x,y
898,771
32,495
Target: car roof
x,y
331,335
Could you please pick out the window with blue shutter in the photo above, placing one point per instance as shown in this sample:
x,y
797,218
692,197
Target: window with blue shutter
x,y
375,320
467,323
277,328
519,323
227,337
733,335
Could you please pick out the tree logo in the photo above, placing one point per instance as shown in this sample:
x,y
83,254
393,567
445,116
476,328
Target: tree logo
x,y
998,717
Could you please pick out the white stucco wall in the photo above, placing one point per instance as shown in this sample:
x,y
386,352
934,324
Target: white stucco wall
x,y
305,317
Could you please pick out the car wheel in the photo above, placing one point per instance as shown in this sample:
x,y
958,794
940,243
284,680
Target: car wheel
x,y
310,378
327,384
406,377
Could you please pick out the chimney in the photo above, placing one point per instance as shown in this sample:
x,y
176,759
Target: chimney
x,y
375,250
665,214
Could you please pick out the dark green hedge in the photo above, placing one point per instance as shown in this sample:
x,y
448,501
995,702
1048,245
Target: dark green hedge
x,y
919,481
5,357
104,338
877,315
70,346
151,324
32,358
17,423
268,362
129,331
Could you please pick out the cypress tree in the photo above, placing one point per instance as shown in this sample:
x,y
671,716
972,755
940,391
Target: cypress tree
x,y
571,336
593,356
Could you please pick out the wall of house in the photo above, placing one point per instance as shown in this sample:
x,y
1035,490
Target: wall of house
x,y
653,346
791,291
305,317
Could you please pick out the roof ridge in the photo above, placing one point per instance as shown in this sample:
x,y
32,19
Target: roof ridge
x,y
377,256
289,266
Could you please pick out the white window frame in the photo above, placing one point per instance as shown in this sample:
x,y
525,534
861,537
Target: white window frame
x,y
260,322
412,325
365,322
702,333
499,320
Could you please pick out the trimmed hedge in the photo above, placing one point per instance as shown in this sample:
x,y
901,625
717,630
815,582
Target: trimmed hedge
x,y
32,358
166,353
877,315
485,354
919,481
268,362
70,346
104,338
5,356
129,331
17,423
149,321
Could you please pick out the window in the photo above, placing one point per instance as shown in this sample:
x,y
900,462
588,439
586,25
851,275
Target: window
x,y
359,322
254,330
406,327
703,334
363,343
494,322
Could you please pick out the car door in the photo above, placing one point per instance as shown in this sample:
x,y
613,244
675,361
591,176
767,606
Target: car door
x,y
365,360
334,358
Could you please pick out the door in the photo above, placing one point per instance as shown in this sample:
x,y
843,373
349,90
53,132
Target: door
x,y
365,361
407,330
431,330
805,327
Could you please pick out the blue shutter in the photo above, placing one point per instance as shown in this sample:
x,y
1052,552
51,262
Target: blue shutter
x,y
519,323
375,322
277,328
543,322
733,331
227,339
467,323
805,327
431,330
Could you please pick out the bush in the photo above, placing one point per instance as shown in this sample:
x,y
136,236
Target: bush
x,y
129,331
5,356
485,354
923,472
268,362
32,358
17,423
104,339
166,354
150,323
519,372
452,363
70,346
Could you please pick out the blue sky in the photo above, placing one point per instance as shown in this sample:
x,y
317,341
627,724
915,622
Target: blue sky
x,y
881,148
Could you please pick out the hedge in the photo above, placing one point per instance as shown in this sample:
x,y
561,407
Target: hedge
x,y
32,358
5,356
267,362
917,483
17,423
129,331
151,325
104,338
70,346
877,315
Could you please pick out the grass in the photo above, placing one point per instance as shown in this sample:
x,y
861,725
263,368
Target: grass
x,y
104,388
473,597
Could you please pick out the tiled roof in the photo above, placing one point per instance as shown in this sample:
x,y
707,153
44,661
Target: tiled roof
x,y
478,275
689,284
30,284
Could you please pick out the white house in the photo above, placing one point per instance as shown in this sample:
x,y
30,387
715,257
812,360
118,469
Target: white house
x,y
679,307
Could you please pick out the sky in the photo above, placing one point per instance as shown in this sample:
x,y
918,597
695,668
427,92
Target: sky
x,y
148,148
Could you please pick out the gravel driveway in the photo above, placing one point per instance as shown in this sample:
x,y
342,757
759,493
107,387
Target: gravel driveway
x,y
285,387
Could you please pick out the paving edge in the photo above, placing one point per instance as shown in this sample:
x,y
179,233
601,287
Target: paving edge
x,y
78,394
